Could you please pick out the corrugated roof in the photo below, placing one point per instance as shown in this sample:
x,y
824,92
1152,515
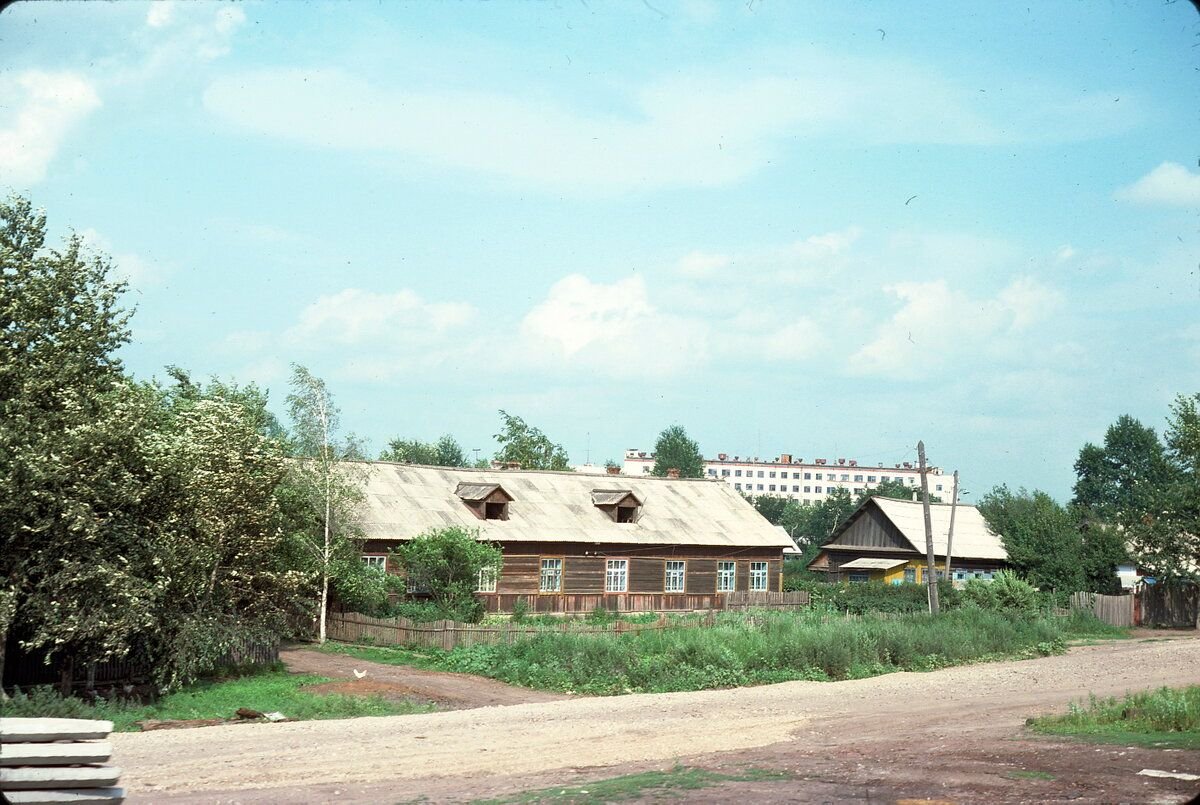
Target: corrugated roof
x,y
972,537
468,491
403,500
611,497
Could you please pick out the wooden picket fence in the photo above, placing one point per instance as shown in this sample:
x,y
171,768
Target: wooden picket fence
x,y
1115,610
763,600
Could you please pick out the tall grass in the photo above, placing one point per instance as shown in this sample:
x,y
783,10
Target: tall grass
x,y
760,648
1168,717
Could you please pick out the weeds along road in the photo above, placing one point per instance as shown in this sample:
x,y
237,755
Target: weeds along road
x,y
468,753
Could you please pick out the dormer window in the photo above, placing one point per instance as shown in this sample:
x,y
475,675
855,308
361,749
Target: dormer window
x,y
486,501
621,505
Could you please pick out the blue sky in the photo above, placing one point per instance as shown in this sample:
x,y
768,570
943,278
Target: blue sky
x,y
824,229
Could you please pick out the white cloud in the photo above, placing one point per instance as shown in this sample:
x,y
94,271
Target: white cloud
x,y
937,327
1169,184
127,266
160,14
697,128
1064,253
612,329
44,109
802,261
380,321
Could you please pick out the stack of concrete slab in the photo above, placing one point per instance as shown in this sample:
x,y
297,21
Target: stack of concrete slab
x,y
57,760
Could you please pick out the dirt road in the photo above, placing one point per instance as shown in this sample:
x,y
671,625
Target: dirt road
x,y
448,691
947,733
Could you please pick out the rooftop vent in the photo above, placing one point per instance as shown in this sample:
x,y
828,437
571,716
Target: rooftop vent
x,y
486,501
621,505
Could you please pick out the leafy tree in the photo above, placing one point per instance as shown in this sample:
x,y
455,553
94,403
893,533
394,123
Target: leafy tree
x,y
445,452
528,446
771,507
1116,482
68,447
1045,545
447,562
674,450
324,482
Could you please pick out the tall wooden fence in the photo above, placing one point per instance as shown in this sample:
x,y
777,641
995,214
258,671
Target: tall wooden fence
x,y
1174,606
1116,610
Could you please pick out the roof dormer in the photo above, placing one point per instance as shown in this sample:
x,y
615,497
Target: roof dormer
x,y
620,505
486,501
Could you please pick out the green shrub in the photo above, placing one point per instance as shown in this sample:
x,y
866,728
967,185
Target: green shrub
x,y
447,563
757,648
1166,716
520,610
877,596
44,701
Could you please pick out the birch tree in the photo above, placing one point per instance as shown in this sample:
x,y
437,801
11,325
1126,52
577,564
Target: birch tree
x,y
326,481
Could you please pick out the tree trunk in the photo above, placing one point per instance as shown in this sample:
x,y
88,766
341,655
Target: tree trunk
x,y
324,605
66,676
8,612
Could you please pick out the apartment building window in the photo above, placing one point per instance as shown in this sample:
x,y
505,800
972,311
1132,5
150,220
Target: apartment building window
x,y
795,487
737,486
724,473
808,476
760,485
817,489
771,488
760,473
870,479
726,577
858,479
673,581
551,576
795,476
818,476
712,473
882,478
487,580
772,473
645,470
845,477
758,576
737,473
616,575
808,489
939,487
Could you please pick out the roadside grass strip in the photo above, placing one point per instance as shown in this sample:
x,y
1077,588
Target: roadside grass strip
x,y
637,786
1166,718
272,691
759,647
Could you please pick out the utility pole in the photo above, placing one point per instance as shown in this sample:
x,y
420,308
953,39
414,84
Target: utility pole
x,y
950,533
930,567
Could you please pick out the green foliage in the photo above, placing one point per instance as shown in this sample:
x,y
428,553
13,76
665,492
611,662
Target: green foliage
x,y
674,450
877,597
528,446
1163,718
755,649
1045,545
1004,593
520,610
447,563
445,452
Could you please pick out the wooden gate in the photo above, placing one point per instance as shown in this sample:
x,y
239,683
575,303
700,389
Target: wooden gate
x,y
1173,606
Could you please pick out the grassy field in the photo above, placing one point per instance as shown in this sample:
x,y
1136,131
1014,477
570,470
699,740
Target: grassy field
x,y
756,648
1168,718
272,691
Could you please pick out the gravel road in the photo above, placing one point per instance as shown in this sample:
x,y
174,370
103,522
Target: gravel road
x,y
452,755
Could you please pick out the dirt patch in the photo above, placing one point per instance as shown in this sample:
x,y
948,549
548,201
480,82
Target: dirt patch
x,y
449,691
393,691
956,734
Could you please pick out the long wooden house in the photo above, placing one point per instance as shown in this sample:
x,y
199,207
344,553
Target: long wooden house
x,y
884,540
572,542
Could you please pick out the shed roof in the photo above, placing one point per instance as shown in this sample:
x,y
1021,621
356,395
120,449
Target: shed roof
x,y
872,564
403,500
972,537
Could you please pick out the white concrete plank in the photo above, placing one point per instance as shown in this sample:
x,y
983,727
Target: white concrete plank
x,y
33,777
65,754
40,730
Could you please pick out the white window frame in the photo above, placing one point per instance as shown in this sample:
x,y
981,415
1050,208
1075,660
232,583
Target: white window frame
x,y
551,569
760,577
375,560
674,576
727,576
616,576
486,583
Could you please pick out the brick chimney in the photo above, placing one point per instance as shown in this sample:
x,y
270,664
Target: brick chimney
x,y
673,472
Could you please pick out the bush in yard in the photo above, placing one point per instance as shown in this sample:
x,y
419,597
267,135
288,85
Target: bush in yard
x,y
877,596
447,563
1005,593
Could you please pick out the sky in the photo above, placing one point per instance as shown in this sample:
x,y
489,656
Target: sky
x,y
821,229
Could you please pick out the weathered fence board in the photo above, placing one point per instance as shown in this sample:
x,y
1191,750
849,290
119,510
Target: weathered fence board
x,y
1115,610
767,600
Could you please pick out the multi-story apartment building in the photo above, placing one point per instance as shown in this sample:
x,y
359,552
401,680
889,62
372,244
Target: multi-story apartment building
x,y
805,481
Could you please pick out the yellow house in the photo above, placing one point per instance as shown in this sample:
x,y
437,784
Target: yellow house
x,y
884,540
